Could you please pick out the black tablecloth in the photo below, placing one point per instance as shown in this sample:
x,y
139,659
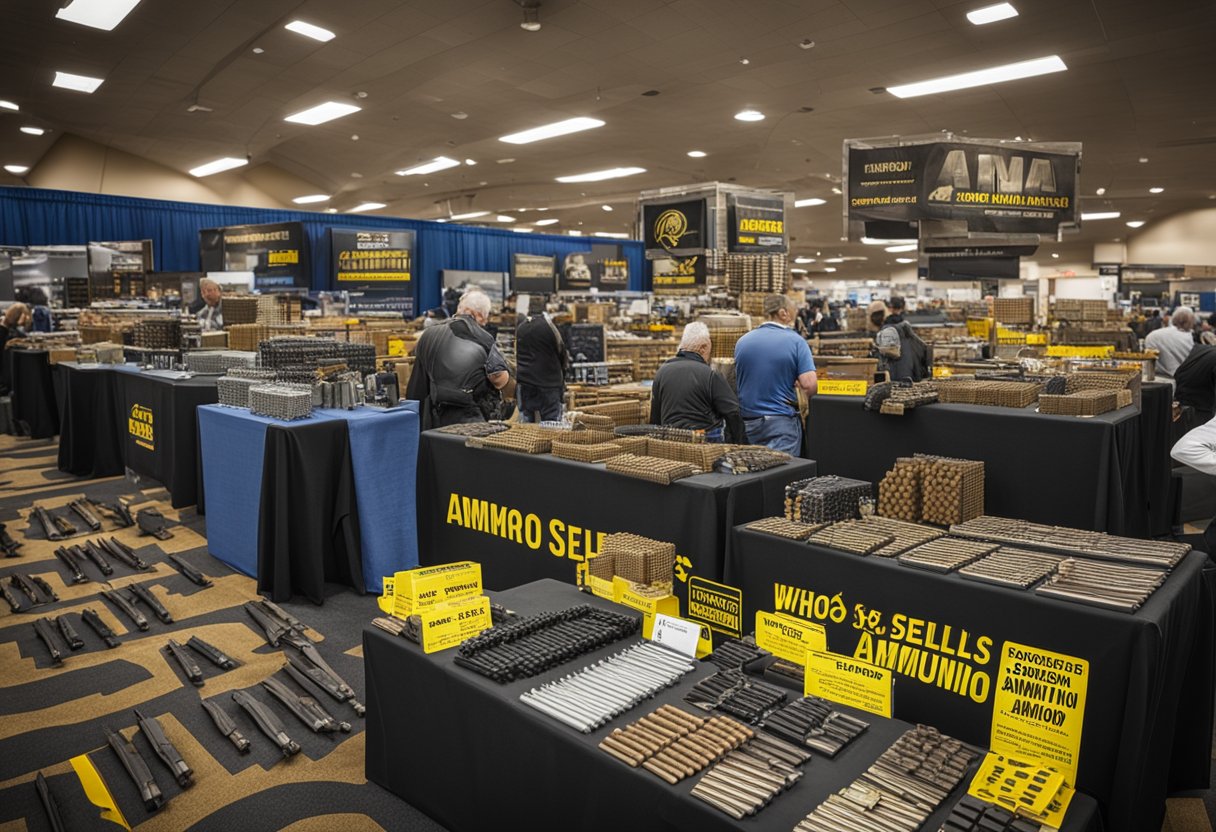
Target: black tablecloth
x,y
1155,443
93,427
309,529
172,455
1085,473
573,501
467,752
1137,721
33,393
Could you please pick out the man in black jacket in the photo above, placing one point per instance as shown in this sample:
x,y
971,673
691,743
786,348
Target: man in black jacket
x,y
1195,383
540,359
458,370
688,394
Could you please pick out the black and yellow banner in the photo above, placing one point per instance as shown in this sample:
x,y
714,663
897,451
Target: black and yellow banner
x,y
376,266
676,227
276,253
757,223
678,274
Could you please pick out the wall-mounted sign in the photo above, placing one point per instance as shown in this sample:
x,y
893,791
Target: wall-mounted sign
x,y
756,223
993,187
675,227
576,274
376,267
533,272
678,274
276,253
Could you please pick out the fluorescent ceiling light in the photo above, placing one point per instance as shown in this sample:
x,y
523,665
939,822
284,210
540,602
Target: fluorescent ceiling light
x,y
547,221
834,260
905,260
227,163
436,164
99,14
1100,191
1100,215
836,190
981,77
830,269
807,203
797,271
574,233
32,131
804,259
1156,190
504,218
8,105
549,131
366,206
16,170
471,215
606,207
749,115
470,162
991,14
1055,255
875,241
308,30
697,154
613,235
322,113
310,198
1135,223
520,229
331,210
600,175
901,249
79,83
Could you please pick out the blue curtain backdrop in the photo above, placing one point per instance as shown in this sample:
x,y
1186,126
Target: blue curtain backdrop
x,y
35,217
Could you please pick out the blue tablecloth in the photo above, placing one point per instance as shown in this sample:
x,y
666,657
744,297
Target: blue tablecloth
x,y
384,452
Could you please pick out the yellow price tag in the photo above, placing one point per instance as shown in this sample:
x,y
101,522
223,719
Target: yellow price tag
x,y
787,637
448,625
850,682
843,387
1036,338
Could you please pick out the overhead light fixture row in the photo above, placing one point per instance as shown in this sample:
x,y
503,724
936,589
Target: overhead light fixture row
x,y
905,260
218,166
612,235
366,206
311,198
901,249
97,14
1135,223
471,215
310,30
600,175
322,113
697,154
1156,190
981,77
992,14
437,164
32,131
1100,215
546,221
808,203
749,115
78,83
549,131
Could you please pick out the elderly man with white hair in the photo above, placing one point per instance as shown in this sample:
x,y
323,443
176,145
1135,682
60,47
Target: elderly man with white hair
x,y
458,370
210,306
688,394
1173,343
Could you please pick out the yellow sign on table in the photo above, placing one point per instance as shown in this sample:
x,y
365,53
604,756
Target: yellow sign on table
x,y
1080,351
1038,706
842,387
448,625
847,681
418,589
787,637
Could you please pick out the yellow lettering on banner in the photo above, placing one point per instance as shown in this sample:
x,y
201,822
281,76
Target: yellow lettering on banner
x,y
1038,709
558,538
454,515
848,681
282,258
448,625
787,637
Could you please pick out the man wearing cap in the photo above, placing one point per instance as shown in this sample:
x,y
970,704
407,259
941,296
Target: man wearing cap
x,y
770,361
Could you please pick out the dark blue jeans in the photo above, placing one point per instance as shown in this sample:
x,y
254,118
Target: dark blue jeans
x,y
539,404
781,433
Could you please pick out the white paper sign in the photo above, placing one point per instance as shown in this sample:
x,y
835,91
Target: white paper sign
x,y
676,634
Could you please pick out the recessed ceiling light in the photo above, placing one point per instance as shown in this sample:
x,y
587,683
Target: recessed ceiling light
x,y
981,77
32,131
749,115
1144,160
804,259
1099,215
366,206
504,218
574,233
697,154
257,50
1100,191
8,105
470,162
807,203
308,30
522,229
612,235
98,14
322,113
834,260
459,115
79,83
437,164
836,190
16,170
227,163
471,215
311,198
991,14
874,241
745,61
549,131
606,207
797,271
547,221
1135,223
830,269
901,249
600,175
905,260
1156,190
1055,255
331,210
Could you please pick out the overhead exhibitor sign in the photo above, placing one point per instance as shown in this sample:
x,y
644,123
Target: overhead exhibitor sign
x,y
376,268
993,187
756,223
276,253
676,227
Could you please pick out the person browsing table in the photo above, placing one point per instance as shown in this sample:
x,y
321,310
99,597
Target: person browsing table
x,y
770,361
687,393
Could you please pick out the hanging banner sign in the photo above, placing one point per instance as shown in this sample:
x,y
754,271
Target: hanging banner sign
x,y
678,274
676,227
1007,188
533,273
614,274
276,253
756,223
376,267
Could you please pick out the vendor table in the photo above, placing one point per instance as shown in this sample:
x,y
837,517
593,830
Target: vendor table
x,y
563,506
1148,711
467,752
33,392
1084,473
338,502
92,425
1156,401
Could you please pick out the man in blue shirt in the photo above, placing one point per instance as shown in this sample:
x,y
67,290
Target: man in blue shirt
x,y
769,362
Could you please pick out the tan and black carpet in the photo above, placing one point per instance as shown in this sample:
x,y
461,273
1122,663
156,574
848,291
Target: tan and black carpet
x,y
49,715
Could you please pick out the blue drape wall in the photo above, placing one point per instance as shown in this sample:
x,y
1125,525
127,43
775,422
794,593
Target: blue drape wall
x,y
35,216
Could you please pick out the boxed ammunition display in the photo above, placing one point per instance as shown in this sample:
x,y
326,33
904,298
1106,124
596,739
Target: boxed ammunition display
x,y
895,399
233,391
640,559
1014,310
281,401
907,535
652,468
669,741
748,459
824,499
1008,566
899,491
851,536
308,354
636,445
701,455
627,412
239,309
945,554
1160,553
1080,310
246,337
993,393
586,453
584,437
663,432
219,361
780,527
520,440
1090,402
474,429
158,334
932,489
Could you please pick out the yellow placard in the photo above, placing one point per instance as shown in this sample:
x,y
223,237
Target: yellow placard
x,y
847,681
940,371
624,593
448,625
1038,706
1080,351
386,600
843,387
787,637
718,605
1036,338
1006,782
396,347
418,589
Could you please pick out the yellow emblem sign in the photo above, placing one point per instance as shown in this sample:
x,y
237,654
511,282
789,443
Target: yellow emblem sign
x,y
670,227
